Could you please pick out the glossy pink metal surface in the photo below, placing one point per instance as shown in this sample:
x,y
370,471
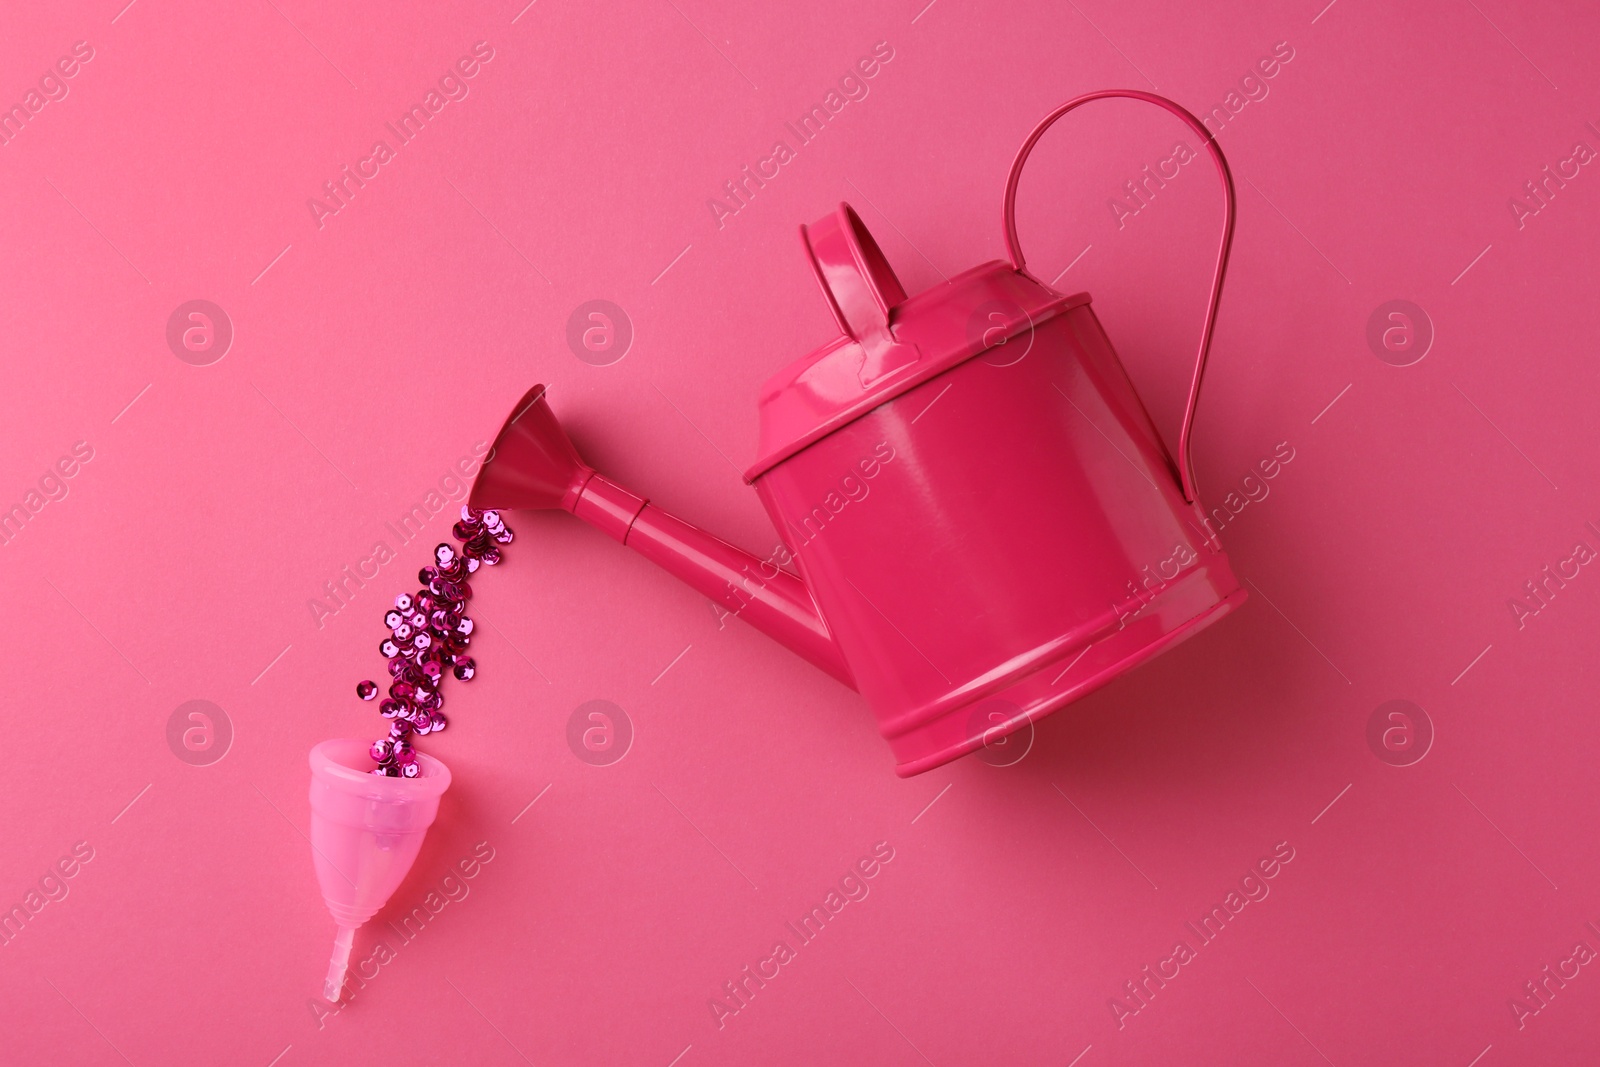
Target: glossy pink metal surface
x,y
985,523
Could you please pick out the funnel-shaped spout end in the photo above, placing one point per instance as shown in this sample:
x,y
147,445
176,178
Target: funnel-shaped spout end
x,y
532,464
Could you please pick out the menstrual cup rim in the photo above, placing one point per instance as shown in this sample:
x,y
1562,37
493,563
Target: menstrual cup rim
x,y
434,779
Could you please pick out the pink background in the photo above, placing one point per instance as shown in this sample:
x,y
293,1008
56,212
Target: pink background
x,y
371,354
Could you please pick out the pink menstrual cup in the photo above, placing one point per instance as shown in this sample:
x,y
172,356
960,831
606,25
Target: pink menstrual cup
x,y
366,830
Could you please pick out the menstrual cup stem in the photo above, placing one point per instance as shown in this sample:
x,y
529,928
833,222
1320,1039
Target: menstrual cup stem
x,y
338,963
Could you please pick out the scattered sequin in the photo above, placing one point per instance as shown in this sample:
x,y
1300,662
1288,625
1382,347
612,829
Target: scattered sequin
x,y
430,632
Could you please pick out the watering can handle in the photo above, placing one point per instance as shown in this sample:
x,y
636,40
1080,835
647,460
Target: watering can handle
x,y
1185,469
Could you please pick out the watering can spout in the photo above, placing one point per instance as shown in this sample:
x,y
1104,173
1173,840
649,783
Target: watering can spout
x,y
533,465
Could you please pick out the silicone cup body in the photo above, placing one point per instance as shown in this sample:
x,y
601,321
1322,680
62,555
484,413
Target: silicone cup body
x,y
366,830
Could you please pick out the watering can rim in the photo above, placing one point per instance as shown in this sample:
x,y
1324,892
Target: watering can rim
x,y
1031,303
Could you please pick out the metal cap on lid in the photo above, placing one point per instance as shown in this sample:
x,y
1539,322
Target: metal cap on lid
x,y
889,342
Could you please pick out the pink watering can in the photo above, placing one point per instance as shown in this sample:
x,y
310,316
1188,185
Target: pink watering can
x,y
982,522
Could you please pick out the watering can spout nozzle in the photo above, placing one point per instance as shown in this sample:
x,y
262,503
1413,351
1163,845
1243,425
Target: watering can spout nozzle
x,y
534,466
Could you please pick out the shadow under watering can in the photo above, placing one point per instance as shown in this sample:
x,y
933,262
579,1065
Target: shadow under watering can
x,y
1017,510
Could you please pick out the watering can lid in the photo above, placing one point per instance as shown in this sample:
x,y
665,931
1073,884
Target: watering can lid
x,y
889,342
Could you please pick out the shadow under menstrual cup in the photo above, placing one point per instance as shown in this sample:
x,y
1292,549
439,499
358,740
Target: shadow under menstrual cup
x,y
366,830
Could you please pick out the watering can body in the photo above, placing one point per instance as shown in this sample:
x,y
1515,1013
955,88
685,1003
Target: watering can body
x,y
980,523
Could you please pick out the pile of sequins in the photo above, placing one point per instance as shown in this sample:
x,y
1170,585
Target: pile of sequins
x,y
429,633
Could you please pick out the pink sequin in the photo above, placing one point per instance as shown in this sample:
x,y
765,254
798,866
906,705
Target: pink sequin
x,y
429,635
